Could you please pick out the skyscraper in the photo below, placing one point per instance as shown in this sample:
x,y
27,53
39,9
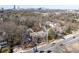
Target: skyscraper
x,y
14,7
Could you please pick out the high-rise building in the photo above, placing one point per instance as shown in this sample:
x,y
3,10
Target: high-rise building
x,y
14,7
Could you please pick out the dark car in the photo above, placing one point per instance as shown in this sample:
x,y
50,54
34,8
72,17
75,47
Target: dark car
x,y
49,51
42,51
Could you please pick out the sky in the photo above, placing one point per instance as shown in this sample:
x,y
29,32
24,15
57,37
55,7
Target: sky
x,y
41,6
52,4
39,2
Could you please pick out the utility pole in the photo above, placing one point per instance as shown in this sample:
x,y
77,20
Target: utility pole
x,y
46,31
46,35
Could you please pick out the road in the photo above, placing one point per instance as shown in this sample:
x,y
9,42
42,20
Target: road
x,y
57,47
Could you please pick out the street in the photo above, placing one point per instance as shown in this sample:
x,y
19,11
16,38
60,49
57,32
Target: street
x,y
55,46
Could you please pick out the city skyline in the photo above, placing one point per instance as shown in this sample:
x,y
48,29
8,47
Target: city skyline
x,y
41,6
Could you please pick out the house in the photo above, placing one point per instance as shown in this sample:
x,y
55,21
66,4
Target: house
x,y
3,42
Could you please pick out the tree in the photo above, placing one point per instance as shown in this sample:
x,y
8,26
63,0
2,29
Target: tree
x,y
51,34
69,30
